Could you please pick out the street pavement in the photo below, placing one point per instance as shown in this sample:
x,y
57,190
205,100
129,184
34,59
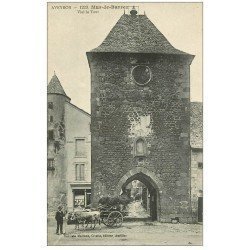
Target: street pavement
x,y
130,233
136,210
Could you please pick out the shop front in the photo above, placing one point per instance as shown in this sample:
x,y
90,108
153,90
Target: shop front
x,y
79,196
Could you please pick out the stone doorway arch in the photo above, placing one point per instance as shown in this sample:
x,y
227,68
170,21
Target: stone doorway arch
x,y
153,184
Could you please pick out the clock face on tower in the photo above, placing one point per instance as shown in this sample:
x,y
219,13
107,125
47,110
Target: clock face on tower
x,y
141,74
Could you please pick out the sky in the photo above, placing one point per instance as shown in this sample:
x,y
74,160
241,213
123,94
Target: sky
x,y
73,29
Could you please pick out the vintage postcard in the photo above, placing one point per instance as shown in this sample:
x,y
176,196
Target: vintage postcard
x,y
124,128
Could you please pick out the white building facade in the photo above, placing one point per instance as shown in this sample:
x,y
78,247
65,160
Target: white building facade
x,y
69,151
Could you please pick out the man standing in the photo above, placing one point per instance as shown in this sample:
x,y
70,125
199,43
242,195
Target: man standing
x,y
59,220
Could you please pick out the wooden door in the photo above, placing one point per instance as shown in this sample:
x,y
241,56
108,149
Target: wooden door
x,y
200,209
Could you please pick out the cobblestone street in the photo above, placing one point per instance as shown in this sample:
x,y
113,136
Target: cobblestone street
x,y
131,233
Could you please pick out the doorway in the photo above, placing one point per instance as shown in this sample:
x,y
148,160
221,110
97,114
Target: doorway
x,y
81,198
143,193
200,209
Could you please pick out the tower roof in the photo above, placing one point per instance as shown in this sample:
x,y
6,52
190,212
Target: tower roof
x,y
55,87
136,34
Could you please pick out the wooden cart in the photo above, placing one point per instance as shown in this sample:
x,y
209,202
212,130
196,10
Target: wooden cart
x,y
111,216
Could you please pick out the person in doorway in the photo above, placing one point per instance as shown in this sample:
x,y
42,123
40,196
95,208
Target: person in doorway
x,y
59,220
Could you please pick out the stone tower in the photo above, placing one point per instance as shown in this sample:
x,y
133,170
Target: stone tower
x,y
140,111
56,98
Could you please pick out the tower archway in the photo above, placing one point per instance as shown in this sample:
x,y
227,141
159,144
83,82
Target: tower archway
x,y
153,189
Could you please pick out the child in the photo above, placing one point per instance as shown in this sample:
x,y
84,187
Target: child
x,y
59,220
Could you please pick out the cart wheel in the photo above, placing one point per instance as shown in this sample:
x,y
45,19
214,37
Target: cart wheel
x,y
115,219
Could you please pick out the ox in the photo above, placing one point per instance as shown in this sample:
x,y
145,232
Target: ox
x,y
85,217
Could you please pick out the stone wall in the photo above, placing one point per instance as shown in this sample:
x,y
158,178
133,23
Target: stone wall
x,y
159,113
56,150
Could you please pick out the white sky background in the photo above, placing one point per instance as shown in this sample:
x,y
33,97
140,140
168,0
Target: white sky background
x,y
71,35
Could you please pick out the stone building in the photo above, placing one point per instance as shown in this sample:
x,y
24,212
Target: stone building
x,y
69,153
196,140
140,124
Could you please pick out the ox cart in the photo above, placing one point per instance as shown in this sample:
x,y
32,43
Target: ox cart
x,y
110,212
111,216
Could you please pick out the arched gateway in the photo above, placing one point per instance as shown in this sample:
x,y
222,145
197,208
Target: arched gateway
x,y
140,116
152,183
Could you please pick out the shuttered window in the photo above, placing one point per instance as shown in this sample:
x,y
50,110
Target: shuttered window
x,y
79,172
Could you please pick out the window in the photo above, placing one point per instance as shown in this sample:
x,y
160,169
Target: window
x,y
79,172
141,74
140,148
51,164
200,165
50,105
51,118
51,134
80,147
141,159
82,197
79,198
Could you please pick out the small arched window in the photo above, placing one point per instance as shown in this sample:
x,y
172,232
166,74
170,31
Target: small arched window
x,y
140,148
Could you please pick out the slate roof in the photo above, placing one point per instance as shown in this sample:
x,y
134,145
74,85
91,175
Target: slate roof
x,y
136,34
55,87
196,125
